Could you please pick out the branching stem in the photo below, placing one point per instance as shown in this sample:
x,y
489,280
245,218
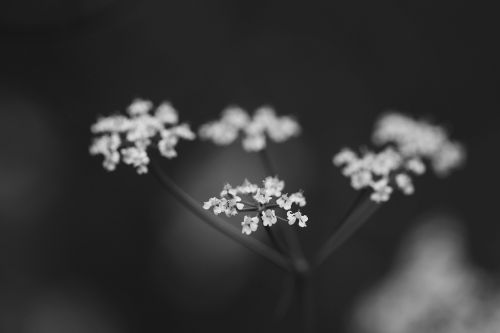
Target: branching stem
x,y
362,209
222,226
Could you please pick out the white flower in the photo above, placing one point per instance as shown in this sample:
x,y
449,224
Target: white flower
x,y
415,165
111,124
421,139
381,190
183,131
371,170
449,156
262,196
142,128
167,144
408,143
284,202
283,129
107,145
254,142
234,202
136,133
249,224
139,107
265,123
269,217
292,217
262,200
405,184
385,162
273,186
298,198
219,132
361,179
212,202
136,157
235,116
228,190
229,206
166,113
345,156
221,207
247,188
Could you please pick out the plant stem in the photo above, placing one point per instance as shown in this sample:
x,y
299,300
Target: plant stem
x,y
286,297
268,164
302,268
276,243
250,209
358,214
246,203
306,302
194,206
271,171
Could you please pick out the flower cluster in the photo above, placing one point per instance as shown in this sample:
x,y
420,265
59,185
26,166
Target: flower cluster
x,y
379,171
421,139
235,120
264,200
408,144
127,137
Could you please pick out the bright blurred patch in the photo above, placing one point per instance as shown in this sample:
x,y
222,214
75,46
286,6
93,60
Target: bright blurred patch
x,y
432,289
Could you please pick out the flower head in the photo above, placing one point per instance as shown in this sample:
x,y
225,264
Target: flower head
x,y
408,145
255,130
127,137
262,200
419,138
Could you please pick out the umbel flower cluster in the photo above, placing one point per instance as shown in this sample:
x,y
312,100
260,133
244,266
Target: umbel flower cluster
x,y
127,137
264,123
262,201
407,145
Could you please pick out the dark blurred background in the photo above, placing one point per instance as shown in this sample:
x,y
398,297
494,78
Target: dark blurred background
x,y
82,250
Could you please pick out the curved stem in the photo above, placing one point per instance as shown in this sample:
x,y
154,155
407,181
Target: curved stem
x,y
194,206
357,215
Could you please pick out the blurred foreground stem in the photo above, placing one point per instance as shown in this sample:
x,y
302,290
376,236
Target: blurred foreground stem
x,y
195,207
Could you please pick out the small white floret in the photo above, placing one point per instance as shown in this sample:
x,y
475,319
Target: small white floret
x,y
249,224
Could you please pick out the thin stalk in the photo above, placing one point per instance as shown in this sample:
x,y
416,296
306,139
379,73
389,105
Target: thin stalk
x,y
302,268
270,170
292,240
266,161
194,206
303,282
276,243
356,217
250,209
286,297
246,203
306,302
